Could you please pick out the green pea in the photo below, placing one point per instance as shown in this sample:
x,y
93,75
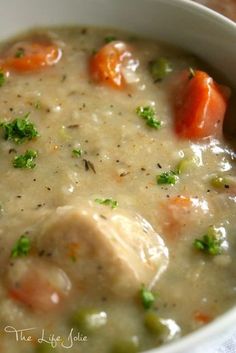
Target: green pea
x,y
89,320
218,182
224,182
160,68
45,348
128,345
154,324
186,165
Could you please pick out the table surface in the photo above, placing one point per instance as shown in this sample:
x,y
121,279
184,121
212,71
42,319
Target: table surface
x,y
226,7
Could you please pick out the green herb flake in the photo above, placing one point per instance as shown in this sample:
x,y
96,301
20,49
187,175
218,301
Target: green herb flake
x,y
20,53
155,324
22,247
19,130
159,69
210,243
25,161
2,79
148,113
77,152
109,39
107,202
169,178
147,298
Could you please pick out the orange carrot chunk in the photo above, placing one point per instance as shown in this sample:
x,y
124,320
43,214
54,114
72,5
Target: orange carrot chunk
x,y
30,56
37,285
113,65
202,318
37,293
201,108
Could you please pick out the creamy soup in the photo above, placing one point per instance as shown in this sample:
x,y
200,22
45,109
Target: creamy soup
x,y
117,194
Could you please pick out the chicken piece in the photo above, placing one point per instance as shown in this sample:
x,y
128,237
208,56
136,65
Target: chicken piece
x,y
103,249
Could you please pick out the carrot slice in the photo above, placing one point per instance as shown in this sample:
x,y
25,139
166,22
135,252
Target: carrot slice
x,y
201,108
30,56
202,318
109,64
176,211
181,202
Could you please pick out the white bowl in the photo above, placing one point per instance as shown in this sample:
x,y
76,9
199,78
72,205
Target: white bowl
x,y
180,22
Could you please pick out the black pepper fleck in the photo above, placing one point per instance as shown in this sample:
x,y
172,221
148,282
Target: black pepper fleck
x,y
12,150
73,126
84,31
64,77
103,217
41,253
89,165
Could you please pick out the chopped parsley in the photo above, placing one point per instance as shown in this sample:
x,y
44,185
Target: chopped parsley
x,y
107,202
210,243
2,79
19,130
26,161
167,178
77,152
148,113
20,53
147,298
109,39
159,69
21,247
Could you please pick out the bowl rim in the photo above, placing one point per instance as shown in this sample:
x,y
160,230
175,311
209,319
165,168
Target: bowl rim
x,y
202,9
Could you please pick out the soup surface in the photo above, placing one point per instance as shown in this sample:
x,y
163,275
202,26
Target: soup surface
x,y
118,193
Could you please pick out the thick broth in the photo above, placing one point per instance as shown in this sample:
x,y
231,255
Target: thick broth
x,y
125,155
